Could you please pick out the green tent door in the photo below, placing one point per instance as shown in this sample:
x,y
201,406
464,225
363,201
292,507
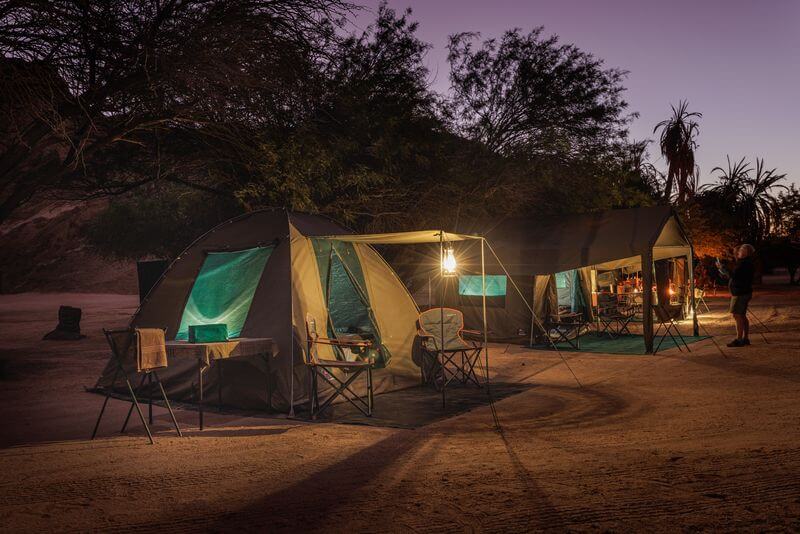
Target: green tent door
x,y
346,297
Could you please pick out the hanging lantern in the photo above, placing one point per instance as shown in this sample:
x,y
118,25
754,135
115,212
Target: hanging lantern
x,y
449,265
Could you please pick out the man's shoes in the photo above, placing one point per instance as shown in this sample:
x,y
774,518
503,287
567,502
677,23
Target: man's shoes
x,y
746,341
737,343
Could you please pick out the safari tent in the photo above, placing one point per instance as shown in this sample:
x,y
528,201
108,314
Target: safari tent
x,y
261,274
547,261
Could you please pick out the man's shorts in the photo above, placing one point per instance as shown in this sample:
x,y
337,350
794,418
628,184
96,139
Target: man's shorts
x,y
739,304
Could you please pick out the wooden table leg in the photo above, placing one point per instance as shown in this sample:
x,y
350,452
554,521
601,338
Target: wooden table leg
x,y
150,398
218,363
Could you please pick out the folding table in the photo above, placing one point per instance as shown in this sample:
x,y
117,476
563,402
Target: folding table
x,y
206,353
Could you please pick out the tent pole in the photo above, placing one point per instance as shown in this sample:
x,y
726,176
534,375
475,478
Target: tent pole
x,y
647,300
533,305
692,303
291,333
483,299
441,313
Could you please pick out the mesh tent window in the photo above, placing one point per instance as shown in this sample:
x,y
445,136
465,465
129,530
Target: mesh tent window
x,y
565,282
472,285
223,290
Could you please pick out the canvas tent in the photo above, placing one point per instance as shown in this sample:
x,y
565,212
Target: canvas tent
x,y
260,274
534,250
442,239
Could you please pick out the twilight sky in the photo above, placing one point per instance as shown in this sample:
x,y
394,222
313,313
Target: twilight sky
x,y
736,61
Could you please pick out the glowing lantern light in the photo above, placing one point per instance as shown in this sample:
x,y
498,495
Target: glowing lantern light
x,y
449,262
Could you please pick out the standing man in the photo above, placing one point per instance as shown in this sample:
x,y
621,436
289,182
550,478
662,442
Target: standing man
x,y
740,282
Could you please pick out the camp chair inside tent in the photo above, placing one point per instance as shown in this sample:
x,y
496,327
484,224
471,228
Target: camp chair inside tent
x,y
146,349
350,314
666,315
613,317
565,327
324,368
451,356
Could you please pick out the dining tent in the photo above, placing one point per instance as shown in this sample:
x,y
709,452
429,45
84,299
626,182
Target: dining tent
x,y
534,250
260,274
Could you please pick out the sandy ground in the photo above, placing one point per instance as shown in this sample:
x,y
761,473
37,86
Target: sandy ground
x,y
674,441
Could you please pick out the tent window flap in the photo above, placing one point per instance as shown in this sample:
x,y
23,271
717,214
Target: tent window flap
x,y
223,290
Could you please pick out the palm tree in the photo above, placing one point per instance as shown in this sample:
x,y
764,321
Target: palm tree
x,y
678,144
750,198
730,183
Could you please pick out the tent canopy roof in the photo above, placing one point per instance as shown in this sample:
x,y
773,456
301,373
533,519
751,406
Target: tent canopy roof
x,y
596,239
402,238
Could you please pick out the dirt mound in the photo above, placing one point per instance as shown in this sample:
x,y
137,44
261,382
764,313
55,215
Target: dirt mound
x,y
44,249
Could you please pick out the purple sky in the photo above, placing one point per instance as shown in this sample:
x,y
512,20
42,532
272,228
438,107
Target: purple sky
x,y
736,61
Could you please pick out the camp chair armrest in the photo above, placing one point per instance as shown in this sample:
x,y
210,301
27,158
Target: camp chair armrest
x,y
472,335
341,343
116,330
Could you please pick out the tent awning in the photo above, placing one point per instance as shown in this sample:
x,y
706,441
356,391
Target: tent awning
x,y
402,238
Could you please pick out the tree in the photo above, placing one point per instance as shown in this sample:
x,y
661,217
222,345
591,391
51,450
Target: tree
x,y
748,197
760,203
789,210
527,93
102,97
366,151
677,142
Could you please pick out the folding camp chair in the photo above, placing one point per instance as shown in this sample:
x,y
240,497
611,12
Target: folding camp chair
x,y
613,317
700,299
323,368
126,348
453,359
565,328
666,316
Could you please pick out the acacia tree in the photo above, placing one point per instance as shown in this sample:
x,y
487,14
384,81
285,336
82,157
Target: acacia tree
x,y
366,151
530,93
553,114
678,143
102,97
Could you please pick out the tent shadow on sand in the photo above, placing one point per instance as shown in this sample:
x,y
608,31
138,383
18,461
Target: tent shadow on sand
x,y
420,406
407,408
336,488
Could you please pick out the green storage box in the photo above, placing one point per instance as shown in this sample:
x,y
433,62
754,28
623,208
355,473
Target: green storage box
x,y
208,333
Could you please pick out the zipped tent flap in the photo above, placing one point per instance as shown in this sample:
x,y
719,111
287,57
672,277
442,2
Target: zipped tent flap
x,y
223,290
